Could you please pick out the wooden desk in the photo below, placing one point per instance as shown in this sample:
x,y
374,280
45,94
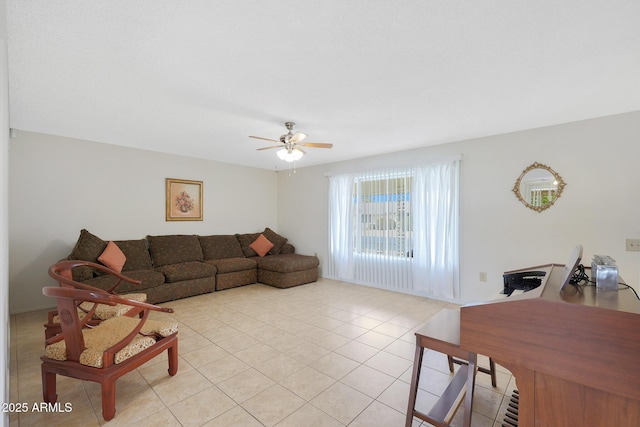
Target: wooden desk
x,y
442,334
574,354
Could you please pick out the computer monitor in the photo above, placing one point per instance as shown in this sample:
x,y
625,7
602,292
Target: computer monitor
x,y
571,265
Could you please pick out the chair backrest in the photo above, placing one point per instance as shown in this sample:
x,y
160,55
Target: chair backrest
x,y
68,298
70,322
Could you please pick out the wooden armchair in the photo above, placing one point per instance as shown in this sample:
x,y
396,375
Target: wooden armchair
x,y
91,314
107,351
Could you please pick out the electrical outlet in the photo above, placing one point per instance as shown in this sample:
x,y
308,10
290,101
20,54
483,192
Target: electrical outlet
x,y
483,276
633,245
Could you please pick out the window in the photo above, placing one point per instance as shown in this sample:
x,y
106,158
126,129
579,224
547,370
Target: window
x,y
383,212
396,229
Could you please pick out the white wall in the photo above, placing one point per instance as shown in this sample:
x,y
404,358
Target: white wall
x,y
60,185
600,206
4,212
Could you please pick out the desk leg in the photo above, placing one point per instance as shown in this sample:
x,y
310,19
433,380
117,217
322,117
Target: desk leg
x,y
471,382
415,378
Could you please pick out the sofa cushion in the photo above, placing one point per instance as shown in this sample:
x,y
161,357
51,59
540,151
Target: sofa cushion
x,y
113,257
149,279
276,239
261,245
287,248
82,273
88,247
174,249
219,247
137,254
187,271
231,265
245,240
287,263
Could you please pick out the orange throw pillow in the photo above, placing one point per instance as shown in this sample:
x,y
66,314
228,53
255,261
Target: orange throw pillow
x,y
113,257
261,245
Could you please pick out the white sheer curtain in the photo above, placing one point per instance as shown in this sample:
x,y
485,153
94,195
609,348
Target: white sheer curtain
x,y
341,225
397,229
435,230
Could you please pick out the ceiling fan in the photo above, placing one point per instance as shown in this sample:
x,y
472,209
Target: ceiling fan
x,y
291,144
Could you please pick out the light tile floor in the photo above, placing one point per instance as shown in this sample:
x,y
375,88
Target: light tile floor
x,y
323,354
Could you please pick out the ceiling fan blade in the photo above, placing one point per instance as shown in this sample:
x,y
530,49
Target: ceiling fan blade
x,y
265,139
317,144
297,137
267,148
297,147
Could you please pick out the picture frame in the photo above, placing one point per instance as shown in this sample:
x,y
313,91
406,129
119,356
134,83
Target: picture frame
x,y
184,200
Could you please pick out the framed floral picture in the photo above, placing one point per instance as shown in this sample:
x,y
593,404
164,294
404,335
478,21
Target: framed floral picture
x,y
184,200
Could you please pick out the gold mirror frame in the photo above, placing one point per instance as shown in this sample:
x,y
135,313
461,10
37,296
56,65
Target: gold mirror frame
x,y
558,183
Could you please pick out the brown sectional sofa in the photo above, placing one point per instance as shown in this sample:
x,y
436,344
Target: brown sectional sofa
x,y
179,266
225,254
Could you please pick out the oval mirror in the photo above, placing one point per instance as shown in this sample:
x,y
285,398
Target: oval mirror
x,y
538,187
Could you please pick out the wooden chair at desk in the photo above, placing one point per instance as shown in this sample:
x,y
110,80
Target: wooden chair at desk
x,y
442,333
491,370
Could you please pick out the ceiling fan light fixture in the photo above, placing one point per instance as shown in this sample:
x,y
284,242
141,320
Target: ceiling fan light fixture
x,y
290,155
291,149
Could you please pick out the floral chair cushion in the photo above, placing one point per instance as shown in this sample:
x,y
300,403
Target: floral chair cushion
x,y
104,311
109,333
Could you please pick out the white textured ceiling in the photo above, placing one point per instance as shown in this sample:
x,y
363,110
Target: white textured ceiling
x,y
197,77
